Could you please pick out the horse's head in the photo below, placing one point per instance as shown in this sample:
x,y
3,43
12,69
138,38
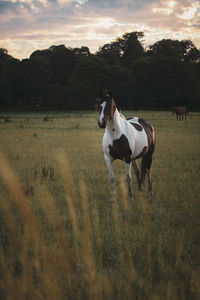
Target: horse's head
x,y
106,108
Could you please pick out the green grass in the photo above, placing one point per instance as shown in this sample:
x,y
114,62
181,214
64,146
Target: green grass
x,y
61,239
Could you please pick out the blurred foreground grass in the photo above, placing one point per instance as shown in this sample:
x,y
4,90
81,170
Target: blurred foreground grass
x,y
61,239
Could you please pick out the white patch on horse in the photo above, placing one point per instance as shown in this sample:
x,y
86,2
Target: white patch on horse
x,y
101,118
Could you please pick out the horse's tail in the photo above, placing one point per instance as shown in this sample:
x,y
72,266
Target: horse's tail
x,y
147,158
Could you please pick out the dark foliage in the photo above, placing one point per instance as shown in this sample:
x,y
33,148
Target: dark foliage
x,y
161,77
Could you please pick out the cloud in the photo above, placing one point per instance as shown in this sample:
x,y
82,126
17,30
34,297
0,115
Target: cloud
x,y
27,25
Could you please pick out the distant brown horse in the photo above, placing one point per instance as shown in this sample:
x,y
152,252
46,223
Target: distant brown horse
x,y
181,112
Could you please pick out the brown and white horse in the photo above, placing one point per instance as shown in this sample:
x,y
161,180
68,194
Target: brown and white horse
x,y
127,140
181,111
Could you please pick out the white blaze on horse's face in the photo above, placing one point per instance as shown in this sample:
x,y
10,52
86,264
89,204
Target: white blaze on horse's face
x,y
101,121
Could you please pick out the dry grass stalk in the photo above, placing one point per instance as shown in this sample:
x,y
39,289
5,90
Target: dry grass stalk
x,y
13,184
44,168
87,247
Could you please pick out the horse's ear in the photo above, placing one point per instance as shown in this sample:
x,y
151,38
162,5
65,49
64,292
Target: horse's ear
x,y
109,92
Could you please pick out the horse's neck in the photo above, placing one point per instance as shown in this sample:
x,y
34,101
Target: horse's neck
x,y
114,125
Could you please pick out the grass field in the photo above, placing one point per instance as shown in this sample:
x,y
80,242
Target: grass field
x,y
59,236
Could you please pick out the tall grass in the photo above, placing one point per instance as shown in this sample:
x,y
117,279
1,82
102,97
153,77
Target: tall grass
x,y
62,239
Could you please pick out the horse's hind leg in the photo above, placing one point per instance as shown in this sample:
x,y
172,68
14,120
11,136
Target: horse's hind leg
x,y
146,168
143,170
129,181
137,173
149,181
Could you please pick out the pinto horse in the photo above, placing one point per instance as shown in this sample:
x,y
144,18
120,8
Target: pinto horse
x,y
127,140
181,111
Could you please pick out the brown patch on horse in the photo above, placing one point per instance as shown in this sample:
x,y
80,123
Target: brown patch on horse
x,y
121,149
137,126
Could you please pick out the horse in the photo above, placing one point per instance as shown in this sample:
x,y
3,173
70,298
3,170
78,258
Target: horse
x,y
181,111
127,140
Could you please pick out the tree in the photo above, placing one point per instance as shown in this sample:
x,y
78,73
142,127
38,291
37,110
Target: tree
x,y
182,50
83,51
191,53
124,50
131,47
9,79
59,60
123,85
90,75
110,53
4,54
166,75
37,84
164,82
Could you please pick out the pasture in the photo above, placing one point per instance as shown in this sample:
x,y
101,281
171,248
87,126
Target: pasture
x,y
59,236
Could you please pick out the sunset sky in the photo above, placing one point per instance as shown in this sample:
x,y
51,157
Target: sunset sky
x,y
29,25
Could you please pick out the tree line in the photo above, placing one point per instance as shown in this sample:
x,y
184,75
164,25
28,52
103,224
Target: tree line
x,y
161,76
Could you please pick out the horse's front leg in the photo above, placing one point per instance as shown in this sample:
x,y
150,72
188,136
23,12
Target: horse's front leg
x,y
110,164
129,181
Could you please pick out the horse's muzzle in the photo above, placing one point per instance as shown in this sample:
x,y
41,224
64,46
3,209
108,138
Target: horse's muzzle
x,y
102,124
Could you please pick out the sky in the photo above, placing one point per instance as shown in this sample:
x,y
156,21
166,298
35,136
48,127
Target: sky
x,y
29,25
